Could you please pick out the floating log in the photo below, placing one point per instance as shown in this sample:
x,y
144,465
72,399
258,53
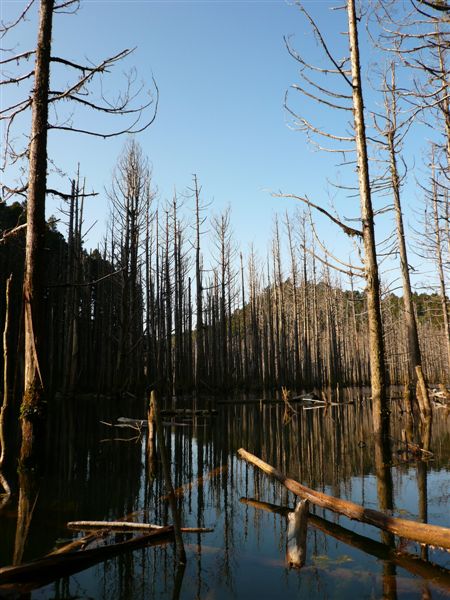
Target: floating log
x,y
129,526
296,536
178,412
54,566
423,533
415,565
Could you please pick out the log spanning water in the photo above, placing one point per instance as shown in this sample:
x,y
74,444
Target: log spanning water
x,y
129,526
415,565
53,566
423,533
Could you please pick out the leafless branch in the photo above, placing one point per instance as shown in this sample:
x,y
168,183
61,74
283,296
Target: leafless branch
x,y
328,253
301,89
324,45
12,233
348,230
89,283
326,263
17,57
65,196
5,27
17,79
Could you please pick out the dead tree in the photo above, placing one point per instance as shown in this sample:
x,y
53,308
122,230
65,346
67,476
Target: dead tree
x,y
130,197
393,134
40,98
350,99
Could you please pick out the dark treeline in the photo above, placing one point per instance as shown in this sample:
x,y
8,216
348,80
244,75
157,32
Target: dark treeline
x,y
144,310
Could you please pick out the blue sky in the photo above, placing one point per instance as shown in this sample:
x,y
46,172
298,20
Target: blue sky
x,y
222,70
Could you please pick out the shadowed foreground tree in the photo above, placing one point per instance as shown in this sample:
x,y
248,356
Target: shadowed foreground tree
x,y
41,96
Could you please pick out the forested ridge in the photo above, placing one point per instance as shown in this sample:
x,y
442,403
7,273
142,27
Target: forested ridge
x,y
263,326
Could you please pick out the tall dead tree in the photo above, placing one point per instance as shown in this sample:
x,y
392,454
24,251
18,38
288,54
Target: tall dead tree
x,y
350,99
199,334
33,402
393,134
130,196
38,100
377,370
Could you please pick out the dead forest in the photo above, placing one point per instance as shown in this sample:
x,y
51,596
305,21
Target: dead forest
x,y
169,300
141,311
162,373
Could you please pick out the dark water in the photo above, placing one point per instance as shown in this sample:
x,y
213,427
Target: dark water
x,y
91,475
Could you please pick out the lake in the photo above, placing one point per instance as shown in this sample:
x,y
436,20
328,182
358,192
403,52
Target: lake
x,y
96,472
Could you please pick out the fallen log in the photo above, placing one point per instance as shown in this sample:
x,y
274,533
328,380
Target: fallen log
x,y
125,526
80,543
439,576
55,566
178,412
423,533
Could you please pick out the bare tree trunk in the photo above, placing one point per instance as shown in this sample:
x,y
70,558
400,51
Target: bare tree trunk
x,y
415,361
440,268
33,404
199,342
377,368
5,403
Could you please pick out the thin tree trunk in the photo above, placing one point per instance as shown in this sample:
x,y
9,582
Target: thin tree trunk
x,y
377,368
410,319
33,415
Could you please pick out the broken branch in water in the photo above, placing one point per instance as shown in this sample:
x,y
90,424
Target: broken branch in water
x,y
423,533
129,526
55,566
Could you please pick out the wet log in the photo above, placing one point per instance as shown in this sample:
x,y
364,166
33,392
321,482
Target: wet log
x,y
415,565
54,566
129,526
423,533
296,536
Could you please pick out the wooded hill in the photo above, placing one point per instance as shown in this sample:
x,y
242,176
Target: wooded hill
x,y
143,311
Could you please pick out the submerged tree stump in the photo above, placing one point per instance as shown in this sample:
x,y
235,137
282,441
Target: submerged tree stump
x,y
296,537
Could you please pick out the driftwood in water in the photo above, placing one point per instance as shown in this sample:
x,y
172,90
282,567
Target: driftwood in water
x,y
129,526
54,566
420,532
415,565
178,412
296,537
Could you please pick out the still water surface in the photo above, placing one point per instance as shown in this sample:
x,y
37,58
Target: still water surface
x,y
92,475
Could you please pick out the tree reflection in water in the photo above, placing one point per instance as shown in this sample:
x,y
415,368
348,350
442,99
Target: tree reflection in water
x,y
90,475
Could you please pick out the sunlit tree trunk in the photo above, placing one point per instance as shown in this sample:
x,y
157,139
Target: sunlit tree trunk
x,y
377,368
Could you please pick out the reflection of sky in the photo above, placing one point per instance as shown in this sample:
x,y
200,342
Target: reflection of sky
x,y
244,557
